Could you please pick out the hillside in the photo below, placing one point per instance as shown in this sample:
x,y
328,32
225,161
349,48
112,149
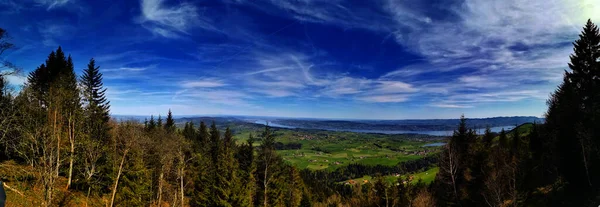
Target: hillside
x,y
405,125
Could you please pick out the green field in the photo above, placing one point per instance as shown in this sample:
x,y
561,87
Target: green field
x,y
330,150
426,177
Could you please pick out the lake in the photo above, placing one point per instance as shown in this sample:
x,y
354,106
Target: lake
x,y
433,133
437,144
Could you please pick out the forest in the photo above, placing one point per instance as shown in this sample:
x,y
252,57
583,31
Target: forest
x,y
60,147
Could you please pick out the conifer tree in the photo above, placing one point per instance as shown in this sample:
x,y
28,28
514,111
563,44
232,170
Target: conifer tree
x,y
503,140
170,123
96,127
151,123
96,106
573,110
247,168
488,137
189,132
203,137
159,123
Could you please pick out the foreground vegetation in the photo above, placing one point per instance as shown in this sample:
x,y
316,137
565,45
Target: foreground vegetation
x,y
60,148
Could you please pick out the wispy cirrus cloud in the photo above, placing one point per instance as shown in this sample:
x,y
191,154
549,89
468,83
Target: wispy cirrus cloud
x,y
171,20
52,33
52,4
385,98
203,83
374,55
455,106
129,69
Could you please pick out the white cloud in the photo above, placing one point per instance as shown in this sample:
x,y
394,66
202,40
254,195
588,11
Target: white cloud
x,y
171,21
441,105
276,93
384,98
386,87
203,83
128,69
53,32
52,4
16,80
227,97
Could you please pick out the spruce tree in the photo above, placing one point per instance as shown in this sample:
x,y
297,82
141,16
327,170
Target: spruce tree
x,y
189,132
573,113
488,137
96,118
159,123
247,168
97,107
151,123
170,123
503,140
202,137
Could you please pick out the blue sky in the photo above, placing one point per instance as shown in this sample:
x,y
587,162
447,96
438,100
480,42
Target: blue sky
x,y
380,59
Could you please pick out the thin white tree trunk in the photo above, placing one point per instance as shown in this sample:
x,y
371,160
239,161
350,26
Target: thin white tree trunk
x,y
57,145
160,185
72,142
266,183
181,185
114,192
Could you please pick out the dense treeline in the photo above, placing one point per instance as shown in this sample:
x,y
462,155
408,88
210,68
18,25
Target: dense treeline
x,y
287,146
59,126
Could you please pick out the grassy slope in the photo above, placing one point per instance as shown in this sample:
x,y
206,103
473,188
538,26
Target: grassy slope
x,y
426,177
23,179
330,150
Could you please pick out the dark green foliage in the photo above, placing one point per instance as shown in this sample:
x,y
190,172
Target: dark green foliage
x,y
247,168
189,132
159,123
97,108
488,137
151,124
503,140
170,123
572,117
57,73
136,187
202,137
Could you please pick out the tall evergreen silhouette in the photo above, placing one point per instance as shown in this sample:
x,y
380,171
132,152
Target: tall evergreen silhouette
x,y
97,107
573,113
170,123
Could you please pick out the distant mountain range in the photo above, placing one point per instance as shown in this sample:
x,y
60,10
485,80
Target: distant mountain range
x,y
382,125
406,125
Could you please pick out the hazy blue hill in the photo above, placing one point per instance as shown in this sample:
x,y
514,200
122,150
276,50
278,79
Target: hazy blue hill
x,y
406,125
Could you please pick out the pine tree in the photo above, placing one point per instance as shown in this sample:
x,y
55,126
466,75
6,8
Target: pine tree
x,y
159,123
170,123
189,132
573,111
223,170
96,127
96,106
516,142
503,140
247,168
151,123
203,137
488,137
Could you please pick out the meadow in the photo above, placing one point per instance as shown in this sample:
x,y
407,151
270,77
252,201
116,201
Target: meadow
x,y
329,150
